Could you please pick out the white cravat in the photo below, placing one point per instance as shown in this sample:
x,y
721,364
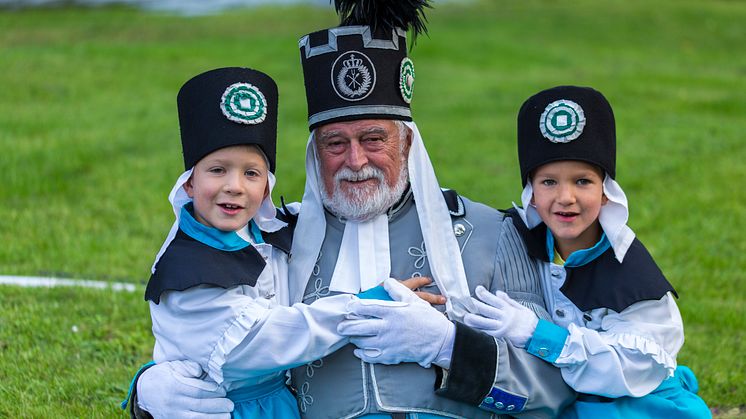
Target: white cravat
x,y
364,256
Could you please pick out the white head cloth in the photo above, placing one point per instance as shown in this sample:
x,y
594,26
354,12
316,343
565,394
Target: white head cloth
x,y
613,216
364,259
264,218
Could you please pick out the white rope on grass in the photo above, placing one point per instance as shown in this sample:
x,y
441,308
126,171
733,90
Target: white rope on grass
x,y
51,282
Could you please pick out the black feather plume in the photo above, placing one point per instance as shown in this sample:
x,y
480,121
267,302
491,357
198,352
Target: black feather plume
x,y
384,14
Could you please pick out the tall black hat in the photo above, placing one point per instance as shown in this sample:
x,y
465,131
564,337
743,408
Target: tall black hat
x,y
566,123
226,107
360,69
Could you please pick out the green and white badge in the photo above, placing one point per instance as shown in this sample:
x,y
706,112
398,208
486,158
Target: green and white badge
x,y
562,121
244,103
406,79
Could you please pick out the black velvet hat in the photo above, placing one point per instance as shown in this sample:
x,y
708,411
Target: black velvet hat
x,y
566,123
360,70
226,107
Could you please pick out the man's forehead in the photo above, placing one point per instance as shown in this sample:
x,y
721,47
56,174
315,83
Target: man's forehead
x,y
354,128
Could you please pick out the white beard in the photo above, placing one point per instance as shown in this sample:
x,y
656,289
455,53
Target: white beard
x,y
364,204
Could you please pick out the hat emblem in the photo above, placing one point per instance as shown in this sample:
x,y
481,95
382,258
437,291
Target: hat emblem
x,y
353,76
406,79
243,103
562,121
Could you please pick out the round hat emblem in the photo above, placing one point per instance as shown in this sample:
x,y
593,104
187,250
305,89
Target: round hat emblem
x,y
353,76
406,79
562,121
244,103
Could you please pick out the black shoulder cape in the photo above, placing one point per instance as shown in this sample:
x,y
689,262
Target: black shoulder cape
x,y
187,263
603,282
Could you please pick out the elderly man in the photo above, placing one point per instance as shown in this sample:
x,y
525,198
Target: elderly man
x,y
373,209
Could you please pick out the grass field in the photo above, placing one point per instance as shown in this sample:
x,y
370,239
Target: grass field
x,y
90,149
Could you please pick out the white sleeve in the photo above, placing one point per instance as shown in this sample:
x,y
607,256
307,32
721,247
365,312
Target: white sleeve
x,y
234,336
633,352
288,337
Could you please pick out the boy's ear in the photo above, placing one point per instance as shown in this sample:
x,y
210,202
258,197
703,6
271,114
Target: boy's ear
x,y
266,189
604,200
189,187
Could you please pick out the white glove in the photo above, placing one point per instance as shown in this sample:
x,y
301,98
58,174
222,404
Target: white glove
x,y
174,389
502,317
404,330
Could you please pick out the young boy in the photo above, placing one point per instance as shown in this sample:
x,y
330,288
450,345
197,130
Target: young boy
x,y
618,328
218,291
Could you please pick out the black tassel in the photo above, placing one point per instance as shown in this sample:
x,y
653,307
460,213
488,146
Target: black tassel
x,y
384,14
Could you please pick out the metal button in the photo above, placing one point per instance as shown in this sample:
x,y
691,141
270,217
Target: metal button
x,y
559,313
510,407
459,230
499,405
587,317
543,352
489,400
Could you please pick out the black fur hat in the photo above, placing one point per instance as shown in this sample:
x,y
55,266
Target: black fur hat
x,y
360,69
226,107
566,123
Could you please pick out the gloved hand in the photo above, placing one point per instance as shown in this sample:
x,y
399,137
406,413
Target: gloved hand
x,y
502,317
174,390
404,330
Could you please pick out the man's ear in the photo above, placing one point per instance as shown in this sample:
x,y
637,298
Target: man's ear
x,y
189,187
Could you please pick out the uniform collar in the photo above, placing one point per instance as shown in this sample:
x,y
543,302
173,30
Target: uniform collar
x,y
218,239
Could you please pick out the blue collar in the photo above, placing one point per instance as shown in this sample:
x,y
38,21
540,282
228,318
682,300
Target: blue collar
x,y
218,239
582,256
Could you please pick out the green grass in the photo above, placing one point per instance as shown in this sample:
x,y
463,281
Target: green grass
x,y
90,143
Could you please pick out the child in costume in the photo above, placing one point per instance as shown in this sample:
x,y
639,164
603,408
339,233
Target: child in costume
x,y
616,328
218,291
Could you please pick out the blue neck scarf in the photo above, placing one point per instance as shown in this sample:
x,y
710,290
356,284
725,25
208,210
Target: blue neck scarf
x,y
222,240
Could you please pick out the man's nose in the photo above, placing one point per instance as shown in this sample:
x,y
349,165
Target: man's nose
x,y
356,156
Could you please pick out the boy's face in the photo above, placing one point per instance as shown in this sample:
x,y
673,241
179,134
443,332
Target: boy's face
x,y
228,186
568,196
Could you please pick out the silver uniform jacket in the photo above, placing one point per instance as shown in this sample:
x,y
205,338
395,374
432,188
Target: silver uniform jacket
x,y
487,377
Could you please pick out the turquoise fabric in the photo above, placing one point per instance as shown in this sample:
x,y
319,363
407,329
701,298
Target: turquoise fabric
x,y
676,397
582,256
126,400
375,293
547,341
222,240
267,401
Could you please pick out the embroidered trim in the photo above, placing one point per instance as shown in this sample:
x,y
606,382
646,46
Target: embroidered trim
x,y
364,31
420,253
359,110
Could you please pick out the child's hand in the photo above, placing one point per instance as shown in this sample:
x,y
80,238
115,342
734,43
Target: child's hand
x,y
502,317
420,281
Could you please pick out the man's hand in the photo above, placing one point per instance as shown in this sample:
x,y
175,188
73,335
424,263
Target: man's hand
x,y
174,390
502,317
407,329
420,281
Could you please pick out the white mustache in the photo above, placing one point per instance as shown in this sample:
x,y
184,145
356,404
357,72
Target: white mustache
x,y
367,172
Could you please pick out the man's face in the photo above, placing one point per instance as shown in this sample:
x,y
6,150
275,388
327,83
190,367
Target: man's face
x,y
362,166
